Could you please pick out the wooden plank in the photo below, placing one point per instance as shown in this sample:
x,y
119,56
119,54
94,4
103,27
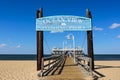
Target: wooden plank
x,y
85,62
45,73
51,57
58,66
50,63
56,62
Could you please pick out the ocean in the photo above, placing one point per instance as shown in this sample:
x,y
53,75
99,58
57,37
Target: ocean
x,y
107,57
33,57
19,56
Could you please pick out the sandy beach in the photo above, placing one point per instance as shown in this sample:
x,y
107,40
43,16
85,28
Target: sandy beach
x,y
26,70
18,70
107,70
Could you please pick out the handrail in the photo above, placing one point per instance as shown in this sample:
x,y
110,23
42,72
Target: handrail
x,y
85,63
55,58
51,57
53,62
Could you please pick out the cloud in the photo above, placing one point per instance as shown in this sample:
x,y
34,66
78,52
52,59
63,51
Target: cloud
x,y
98,29
63,24
114,25
18,46
2,45
118,36
56,31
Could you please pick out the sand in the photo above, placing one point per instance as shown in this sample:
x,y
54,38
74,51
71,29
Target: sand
x,y
26,70
18,70
107,70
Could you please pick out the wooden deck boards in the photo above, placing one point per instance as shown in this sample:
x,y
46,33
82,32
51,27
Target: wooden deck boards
x,y
70,72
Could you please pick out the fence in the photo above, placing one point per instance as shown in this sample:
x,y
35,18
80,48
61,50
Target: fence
x,y
85,64
54,62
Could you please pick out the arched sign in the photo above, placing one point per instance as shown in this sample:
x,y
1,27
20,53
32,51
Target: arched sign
x,y
63,23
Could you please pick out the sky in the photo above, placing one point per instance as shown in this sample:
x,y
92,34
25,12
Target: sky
x,y
18,25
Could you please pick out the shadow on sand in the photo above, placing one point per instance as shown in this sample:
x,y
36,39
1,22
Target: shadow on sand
x,y
103,66
97,74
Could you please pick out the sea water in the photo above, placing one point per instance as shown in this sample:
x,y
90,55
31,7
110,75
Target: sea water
x,y
34,57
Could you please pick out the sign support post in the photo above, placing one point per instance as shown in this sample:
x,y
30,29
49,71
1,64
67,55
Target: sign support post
x,y
90,42
39,43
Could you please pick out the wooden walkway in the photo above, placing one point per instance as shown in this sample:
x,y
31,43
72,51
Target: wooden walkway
x,y
70,72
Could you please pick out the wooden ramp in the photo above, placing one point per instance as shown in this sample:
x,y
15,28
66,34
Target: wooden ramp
x,y
70,72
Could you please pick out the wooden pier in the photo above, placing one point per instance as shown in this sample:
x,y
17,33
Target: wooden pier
x,y
60,66
70,71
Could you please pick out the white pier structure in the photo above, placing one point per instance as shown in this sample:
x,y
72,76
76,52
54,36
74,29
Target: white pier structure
x,y
71,51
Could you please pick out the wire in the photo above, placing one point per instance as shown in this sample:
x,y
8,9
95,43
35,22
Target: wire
x,y
47,45
84,41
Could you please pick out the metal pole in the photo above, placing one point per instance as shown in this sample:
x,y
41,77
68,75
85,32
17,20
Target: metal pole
x,y
74,47
63,44
73,43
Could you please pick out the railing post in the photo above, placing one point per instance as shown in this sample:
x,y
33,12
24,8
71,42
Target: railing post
x,y
42,67
90,65
49,63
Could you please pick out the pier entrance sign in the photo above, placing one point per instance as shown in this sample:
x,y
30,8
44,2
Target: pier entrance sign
x,y
63,23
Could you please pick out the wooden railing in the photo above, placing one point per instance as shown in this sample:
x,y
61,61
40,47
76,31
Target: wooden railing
x,y
51,64
85,63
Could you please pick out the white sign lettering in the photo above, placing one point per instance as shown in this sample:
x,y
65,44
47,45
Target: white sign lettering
x,y
63,23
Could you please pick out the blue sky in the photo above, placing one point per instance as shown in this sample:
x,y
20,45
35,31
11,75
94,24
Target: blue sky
x,y
18,24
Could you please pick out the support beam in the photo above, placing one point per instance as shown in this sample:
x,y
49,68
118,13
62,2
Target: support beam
x,y
39,43
90,41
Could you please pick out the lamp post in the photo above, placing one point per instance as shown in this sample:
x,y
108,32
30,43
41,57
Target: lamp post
x,y
63,45
69,37
64,42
